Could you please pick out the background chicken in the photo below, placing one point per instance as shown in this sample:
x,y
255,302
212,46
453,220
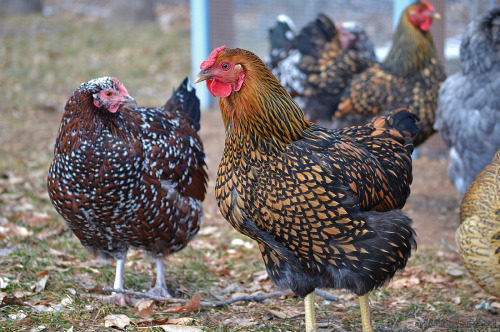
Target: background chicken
x,y
129,177
410,75
315,68
478,237
323,205
353,36
468,114
284,57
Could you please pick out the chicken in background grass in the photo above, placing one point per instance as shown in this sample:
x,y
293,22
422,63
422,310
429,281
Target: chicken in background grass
x,y
410,76
126,177
478,237
468,113
323,205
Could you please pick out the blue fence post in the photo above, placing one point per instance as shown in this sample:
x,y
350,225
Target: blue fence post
x,y
200,44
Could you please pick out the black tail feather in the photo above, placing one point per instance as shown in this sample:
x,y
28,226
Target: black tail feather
x,y
314,36
185,97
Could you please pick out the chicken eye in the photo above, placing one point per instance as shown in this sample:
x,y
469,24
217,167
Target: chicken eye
x,y
108,93
225,66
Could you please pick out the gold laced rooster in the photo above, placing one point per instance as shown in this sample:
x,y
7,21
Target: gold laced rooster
x,y
323,205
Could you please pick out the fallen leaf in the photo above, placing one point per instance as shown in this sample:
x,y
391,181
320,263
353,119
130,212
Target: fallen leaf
x,y
495,305
19,315
181,320
283,313
411,322
24,321
152,322
40,284
42,308
191,305
119,321
11,299
146,304
436,278
145,312
406,282
66,301
177,328
12,229
455,272
4,282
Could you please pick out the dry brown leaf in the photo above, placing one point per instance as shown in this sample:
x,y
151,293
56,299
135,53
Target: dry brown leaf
x,y
436,278
194,303
146,304
283,313
11,299
148,322
34,218
178,328
13,230
26,321
145,312
405,282
495,305
191,305
119,321
181,320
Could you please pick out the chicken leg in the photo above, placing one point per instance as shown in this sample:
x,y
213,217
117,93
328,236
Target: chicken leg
x,y
117,298
364,306
160,288
310,312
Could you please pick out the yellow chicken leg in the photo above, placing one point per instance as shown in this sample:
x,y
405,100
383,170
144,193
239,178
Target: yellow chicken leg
x,y
364,306
310,312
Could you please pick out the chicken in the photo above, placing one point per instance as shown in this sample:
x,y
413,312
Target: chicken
x,y
468,112
410,76
326,68
353,36
323,205
478,237
298,59
127,177
284,57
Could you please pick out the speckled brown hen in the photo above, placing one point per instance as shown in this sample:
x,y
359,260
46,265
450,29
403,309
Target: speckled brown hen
x,y
323,205
478,237
410,76
127,177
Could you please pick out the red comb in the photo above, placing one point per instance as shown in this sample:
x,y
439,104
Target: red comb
x,y
428,5
209,62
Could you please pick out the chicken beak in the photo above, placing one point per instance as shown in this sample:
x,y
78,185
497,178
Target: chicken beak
x,y
436,16
203,76
128,101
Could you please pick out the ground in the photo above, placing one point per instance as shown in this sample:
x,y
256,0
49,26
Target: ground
x,y
49,282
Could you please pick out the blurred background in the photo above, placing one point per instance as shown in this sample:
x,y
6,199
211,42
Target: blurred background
x,y
41,38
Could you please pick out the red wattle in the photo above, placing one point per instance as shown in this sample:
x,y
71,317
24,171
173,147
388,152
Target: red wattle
x,y
425,25
219,89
